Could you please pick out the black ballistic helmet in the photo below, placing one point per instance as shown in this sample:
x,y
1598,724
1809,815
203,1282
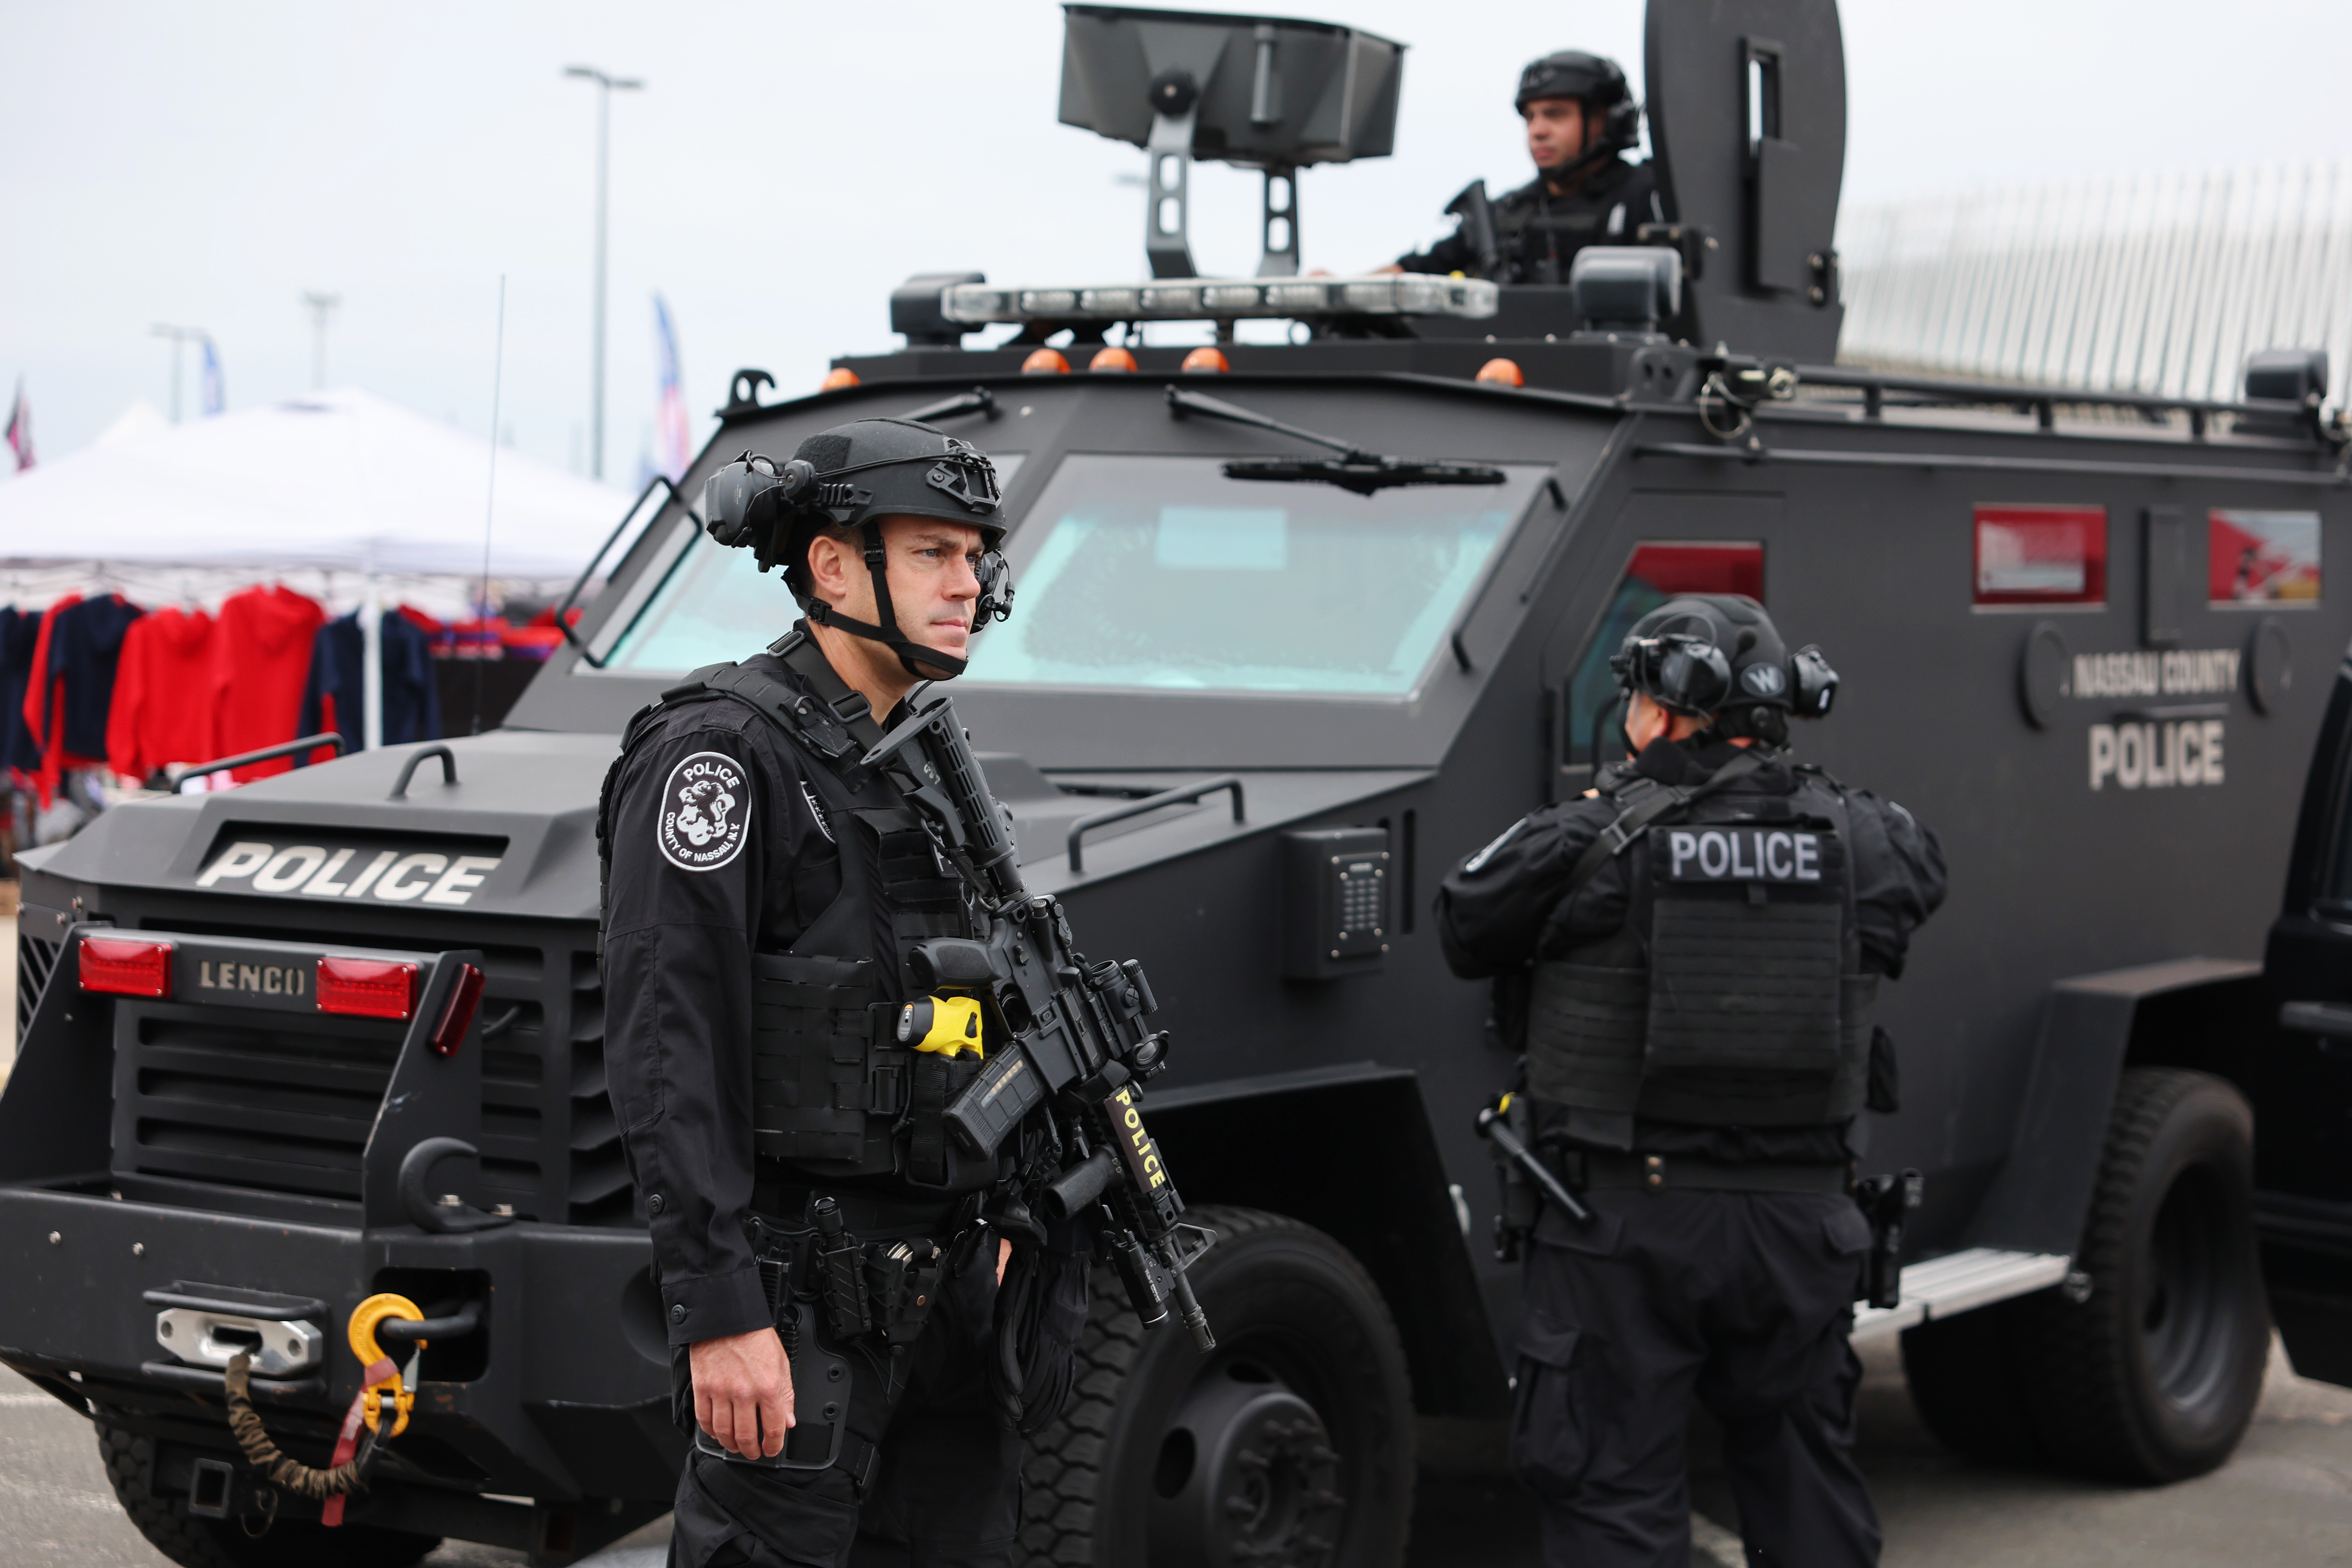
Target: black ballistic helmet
x,y
1718,656
904,469
1600,84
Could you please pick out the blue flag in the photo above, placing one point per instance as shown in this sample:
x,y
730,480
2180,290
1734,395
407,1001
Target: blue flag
x,y
215,395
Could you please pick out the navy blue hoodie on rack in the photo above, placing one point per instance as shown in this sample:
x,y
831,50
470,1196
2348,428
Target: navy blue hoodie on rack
x,y
20,634
83,650
412,693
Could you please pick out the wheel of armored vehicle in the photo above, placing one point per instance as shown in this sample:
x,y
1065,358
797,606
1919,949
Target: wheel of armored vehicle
x,y
228,1543
2150,1373
1291,1442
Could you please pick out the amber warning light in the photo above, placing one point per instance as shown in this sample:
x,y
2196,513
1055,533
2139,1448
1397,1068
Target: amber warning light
x,y
367,988
121,966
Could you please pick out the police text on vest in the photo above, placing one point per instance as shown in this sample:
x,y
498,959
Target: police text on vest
x,y
1743,854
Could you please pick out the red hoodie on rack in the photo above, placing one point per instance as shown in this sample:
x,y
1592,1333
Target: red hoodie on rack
x,y
262,657
157,716
42,692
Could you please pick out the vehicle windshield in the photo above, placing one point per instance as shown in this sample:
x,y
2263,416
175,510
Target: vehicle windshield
x,y
1160,573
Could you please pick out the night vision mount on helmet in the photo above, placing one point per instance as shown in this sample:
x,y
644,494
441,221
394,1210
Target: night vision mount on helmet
x,y
914,471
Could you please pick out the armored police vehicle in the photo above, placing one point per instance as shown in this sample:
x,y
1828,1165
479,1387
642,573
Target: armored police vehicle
x,y
1300,624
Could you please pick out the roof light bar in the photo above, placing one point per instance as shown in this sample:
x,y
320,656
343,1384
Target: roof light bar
x,y
123,967
1206,298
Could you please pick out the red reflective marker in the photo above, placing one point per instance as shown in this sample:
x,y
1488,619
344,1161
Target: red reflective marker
x,y
465,998
367,988
125,967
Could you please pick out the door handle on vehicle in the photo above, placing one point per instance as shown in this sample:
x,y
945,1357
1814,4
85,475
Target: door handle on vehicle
x,y
1183,795
2332,1019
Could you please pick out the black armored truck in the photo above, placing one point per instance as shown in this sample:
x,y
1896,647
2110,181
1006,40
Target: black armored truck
x,y
1305,615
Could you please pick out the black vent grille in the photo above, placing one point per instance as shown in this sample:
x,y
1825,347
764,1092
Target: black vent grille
x,y
37,960
250,1102
600,1193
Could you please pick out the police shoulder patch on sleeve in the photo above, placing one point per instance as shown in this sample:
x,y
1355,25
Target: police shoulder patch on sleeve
x,y
706,812
1477,863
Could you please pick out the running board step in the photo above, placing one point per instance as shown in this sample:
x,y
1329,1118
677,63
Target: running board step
x,y
1958,1282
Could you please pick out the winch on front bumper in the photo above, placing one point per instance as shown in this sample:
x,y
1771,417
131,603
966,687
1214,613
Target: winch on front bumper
x,y
213,1143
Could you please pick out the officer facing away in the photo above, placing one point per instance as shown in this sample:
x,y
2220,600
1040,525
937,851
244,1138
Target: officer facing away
x,y
1688,955
762,892
1580,115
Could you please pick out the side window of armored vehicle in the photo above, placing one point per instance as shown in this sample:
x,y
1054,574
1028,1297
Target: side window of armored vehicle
x,y
1166,573
712,605
1657,573
2041,557
2268,560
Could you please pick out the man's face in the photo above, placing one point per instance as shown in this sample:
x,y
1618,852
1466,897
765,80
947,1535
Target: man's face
x,y
932,568
1557,131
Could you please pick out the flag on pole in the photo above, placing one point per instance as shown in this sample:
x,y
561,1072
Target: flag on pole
x,y
671,434
20,430
215,395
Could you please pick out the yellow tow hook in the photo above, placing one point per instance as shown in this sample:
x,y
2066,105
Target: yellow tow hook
x,y
379,1374
382,1375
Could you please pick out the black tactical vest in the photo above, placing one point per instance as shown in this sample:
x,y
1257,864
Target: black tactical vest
x,y
834,1094
1733,993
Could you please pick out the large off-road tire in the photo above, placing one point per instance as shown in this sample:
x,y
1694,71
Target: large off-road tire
x,y
224,1544
1292,1442
2151,1374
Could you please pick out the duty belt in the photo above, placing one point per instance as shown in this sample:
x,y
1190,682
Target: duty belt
x,y
1594,1172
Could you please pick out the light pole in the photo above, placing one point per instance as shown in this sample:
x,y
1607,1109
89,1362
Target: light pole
x,y
605,87
180,337
321,307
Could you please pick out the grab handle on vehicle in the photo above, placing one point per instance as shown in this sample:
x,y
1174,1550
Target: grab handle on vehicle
x,y
244,759
1182,794
415,758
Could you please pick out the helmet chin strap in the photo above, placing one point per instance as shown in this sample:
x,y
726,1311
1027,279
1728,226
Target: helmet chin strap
x,y
940,666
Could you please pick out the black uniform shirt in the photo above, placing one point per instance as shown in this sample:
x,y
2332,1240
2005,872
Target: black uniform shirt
x,y
1510,912
719,850
1607,209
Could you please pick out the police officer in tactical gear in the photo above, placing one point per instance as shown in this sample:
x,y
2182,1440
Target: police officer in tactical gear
x,y
832,1267
1581,117
1687,957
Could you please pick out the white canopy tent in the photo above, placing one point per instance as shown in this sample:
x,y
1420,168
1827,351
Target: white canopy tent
x,y
339,481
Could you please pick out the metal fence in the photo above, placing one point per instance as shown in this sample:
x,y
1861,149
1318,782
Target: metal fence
x,y
2156,283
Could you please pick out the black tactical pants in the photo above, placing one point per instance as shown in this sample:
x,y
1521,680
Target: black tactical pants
x,y
1742,1299
946,1488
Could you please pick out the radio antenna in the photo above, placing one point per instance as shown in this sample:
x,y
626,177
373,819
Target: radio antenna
x,y
489,506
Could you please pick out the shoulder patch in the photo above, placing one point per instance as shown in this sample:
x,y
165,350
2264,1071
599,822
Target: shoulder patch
x,y
706,812
1477,863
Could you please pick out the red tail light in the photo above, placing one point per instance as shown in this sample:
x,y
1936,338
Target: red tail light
x,y
126,967
367,988
465,997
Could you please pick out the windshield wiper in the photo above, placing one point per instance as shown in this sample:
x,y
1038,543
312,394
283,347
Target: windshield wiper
x,y
1353,470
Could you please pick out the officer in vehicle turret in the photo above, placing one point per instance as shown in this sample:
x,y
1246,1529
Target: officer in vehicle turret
x,y
1687,956
762,892
1581,117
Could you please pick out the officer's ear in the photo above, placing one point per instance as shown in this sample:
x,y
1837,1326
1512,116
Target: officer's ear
x,y
835,564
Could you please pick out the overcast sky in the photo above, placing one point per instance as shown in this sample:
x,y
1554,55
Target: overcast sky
x,y
788,162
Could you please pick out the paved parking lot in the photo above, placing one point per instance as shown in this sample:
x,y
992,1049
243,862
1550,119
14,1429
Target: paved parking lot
x,y
2285,1499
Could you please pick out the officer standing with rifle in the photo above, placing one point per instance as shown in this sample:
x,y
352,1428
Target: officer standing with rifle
x,y
1581,117
1687,956
879,1113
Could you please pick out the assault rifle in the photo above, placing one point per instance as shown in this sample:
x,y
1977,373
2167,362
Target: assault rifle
x,y
1064,1037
